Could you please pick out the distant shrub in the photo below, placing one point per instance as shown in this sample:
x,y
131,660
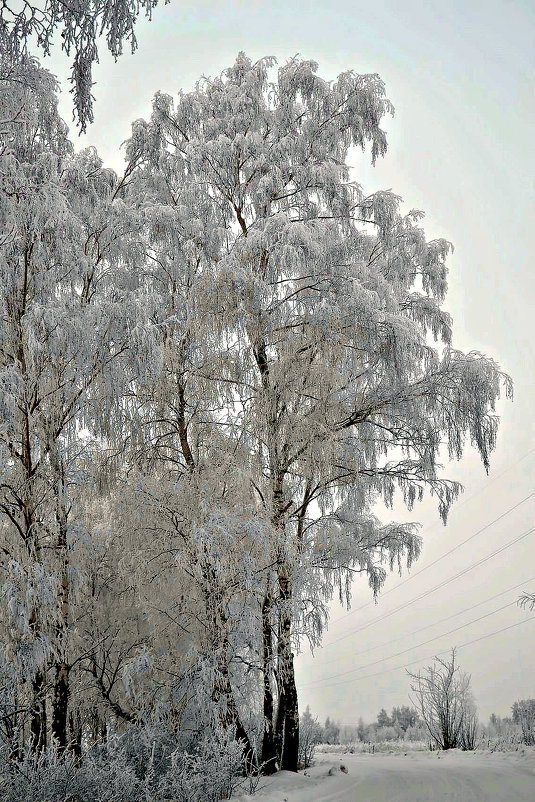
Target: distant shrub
x,y
469,732
387,734
379,746
505,742
524,714
310,734
418,733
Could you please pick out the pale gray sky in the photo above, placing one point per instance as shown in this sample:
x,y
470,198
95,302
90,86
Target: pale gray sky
x,y
461,76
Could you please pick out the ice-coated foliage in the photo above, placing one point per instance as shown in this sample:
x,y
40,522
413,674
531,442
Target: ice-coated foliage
x,y
68,318
323,346
527,600
318,307
80,24
211,368
144,763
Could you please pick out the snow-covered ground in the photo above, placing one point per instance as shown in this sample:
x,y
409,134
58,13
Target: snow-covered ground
x,y
407,777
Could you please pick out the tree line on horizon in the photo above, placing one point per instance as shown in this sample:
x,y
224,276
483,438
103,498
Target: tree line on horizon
x,y
444,720
402,719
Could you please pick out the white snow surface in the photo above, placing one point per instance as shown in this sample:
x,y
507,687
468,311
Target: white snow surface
x,y
407,777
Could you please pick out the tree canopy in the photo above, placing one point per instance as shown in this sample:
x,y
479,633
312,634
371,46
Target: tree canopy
x,y
211,368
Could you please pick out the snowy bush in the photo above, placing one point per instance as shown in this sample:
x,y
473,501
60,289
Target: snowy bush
x,y
508,741
101,777
210,774
444,699
469,733
387,734
141,764
524,714
310,734
418,733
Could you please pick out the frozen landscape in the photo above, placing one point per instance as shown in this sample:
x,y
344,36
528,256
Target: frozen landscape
x,y
267,510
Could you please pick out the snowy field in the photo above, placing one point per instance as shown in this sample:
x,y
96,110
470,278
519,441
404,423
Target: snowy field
x,y
412,777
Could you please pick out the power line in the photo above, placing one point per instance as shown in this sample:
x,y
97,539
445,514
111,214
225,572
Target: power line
x,y
433,624
432,590
430,657
434,526
410,648
438,559
462,543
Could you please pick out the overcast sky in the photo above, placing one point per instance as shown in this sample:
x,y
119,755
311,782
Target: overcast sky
x,y
461,77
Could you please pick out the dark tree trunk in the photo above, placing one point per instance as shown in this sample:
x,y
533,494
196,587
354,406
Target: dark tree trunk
x,y
287,723
287,726
60,706
99,728
61,685
38,714
75,733
13,726
269,761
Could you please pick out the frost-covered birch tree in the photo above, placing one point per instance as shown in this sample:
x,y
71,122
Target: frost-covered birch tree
x,y
211,369
323,305
192,472
65,327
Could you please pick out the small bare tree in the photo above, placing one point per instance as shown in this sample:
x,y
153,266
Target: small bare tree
x,y
527,600
445,702
310,732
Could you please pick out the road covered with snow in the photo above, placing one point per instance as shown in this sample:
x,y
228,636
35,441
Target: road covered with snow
x,y
407,777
